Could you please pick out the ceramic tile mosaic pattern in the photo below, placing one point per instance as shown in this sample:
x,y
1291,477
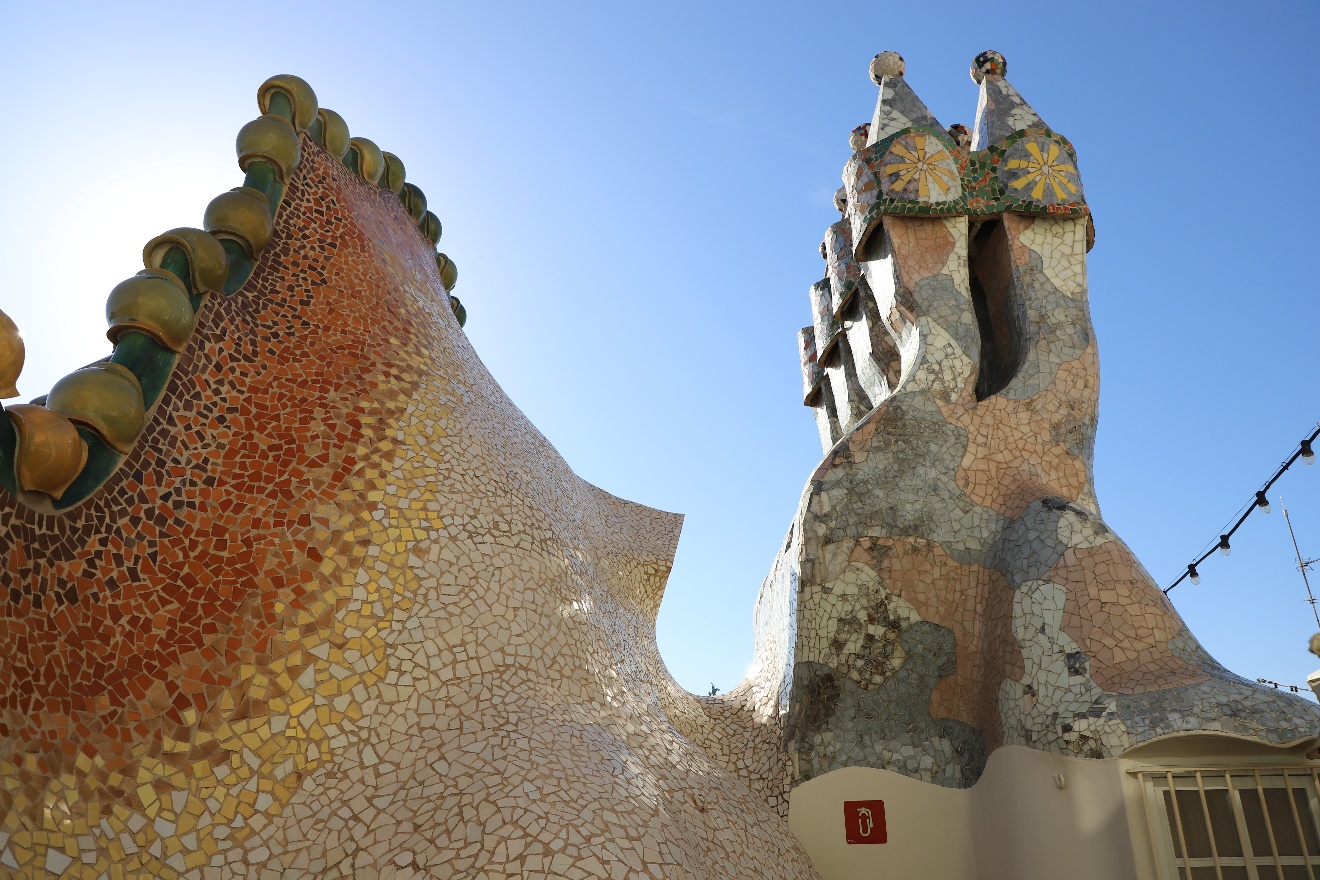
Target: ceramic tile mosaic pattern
x,y
344,613
957,589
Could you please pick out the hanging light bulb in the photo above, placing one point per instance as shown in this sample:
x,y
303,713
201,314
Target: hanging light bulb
x,y
1196,577
1262,502
1307,455
1223,545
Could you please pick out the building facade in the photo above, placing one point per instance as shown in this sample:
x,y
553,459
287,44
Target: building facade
x,y
294,590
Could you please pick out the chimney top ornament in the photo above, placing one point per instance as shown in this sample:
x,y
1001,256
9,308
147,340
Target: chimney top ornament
x,y
988,63
887,64
857,139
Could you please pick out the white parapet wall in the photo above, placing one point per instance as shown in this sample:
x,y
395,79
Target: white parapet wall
x,y
1032,816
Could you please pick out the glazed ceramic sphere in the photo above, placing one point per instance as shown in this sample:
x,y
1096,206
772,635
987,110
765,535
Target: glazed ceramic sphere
x,y
859,136
11,356
886,64
988,63
841,199
961,136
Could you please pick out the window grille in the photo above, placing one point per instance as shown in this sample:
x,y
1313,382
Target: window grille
x,y
1240,823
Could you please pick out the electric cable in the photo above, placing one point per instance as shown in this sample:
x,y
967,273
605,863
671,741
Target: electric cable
x,y
1258,502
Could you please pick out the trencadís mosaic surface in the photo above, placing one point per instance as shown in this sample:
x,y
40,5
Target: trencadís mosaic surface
x,y
340,610
293,590
957,589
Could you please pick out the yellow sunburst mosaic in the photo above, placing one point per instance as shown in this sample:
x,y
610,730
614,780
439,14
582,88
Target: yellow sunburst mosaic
x,y
1041,169
918,161
345,612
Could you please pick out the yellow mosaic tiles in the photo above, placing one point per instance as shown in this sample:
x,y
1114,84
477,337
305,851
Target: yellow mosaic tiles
x,y
956,589
345,612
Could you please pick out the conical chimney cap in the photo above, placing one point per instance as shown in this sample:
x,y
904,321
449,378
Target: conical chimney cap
x,y
1000,110
898,107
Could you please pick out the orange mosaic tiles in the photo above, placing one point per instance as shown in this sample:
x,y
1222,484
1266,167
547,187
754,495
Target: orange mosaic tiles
x,y
958,590
344,611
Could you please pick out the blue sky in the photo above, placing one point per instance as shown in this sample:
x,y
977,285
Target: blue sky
x,y
634,196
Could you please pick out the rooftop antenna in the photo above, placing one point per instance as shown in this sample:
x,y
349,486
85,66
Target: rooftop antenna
x,y
1302,564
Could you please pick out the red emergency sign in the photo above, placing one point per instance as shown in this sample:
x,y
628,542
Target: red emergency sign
x,y
864,821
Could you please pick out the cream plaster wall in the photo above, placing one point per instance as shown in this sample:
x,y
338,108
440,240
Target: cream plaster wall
x,y
928,827
1014,824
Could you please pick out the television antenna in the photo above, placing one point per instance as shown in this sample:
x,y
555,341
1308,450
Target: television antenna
x,y
1302,564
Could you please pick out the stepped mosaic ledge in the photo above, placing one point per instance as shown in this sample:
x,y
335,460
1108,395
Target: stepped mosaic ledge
x,y
294,590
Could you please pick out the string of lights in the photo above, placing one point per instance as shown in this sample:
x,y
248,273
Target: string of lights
x,y
1260,502
1292,687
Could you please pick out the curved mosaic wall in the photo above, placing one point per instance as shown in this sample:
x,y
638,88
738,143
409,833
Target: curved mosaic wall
x,y
293,589
340,610
959,590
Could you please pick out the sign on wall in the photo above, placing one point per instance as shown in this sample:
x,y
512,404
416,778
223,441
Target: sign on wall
x,y
864,821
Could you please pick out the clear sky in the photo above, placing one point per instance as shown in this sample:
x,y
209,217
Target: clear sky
x,y
634,196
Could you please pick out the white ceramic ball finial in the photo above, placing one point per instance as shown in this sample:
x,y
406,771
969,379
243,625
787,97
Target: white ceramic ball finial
x,y
988,63
961,135
858,137
886,64
841,200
